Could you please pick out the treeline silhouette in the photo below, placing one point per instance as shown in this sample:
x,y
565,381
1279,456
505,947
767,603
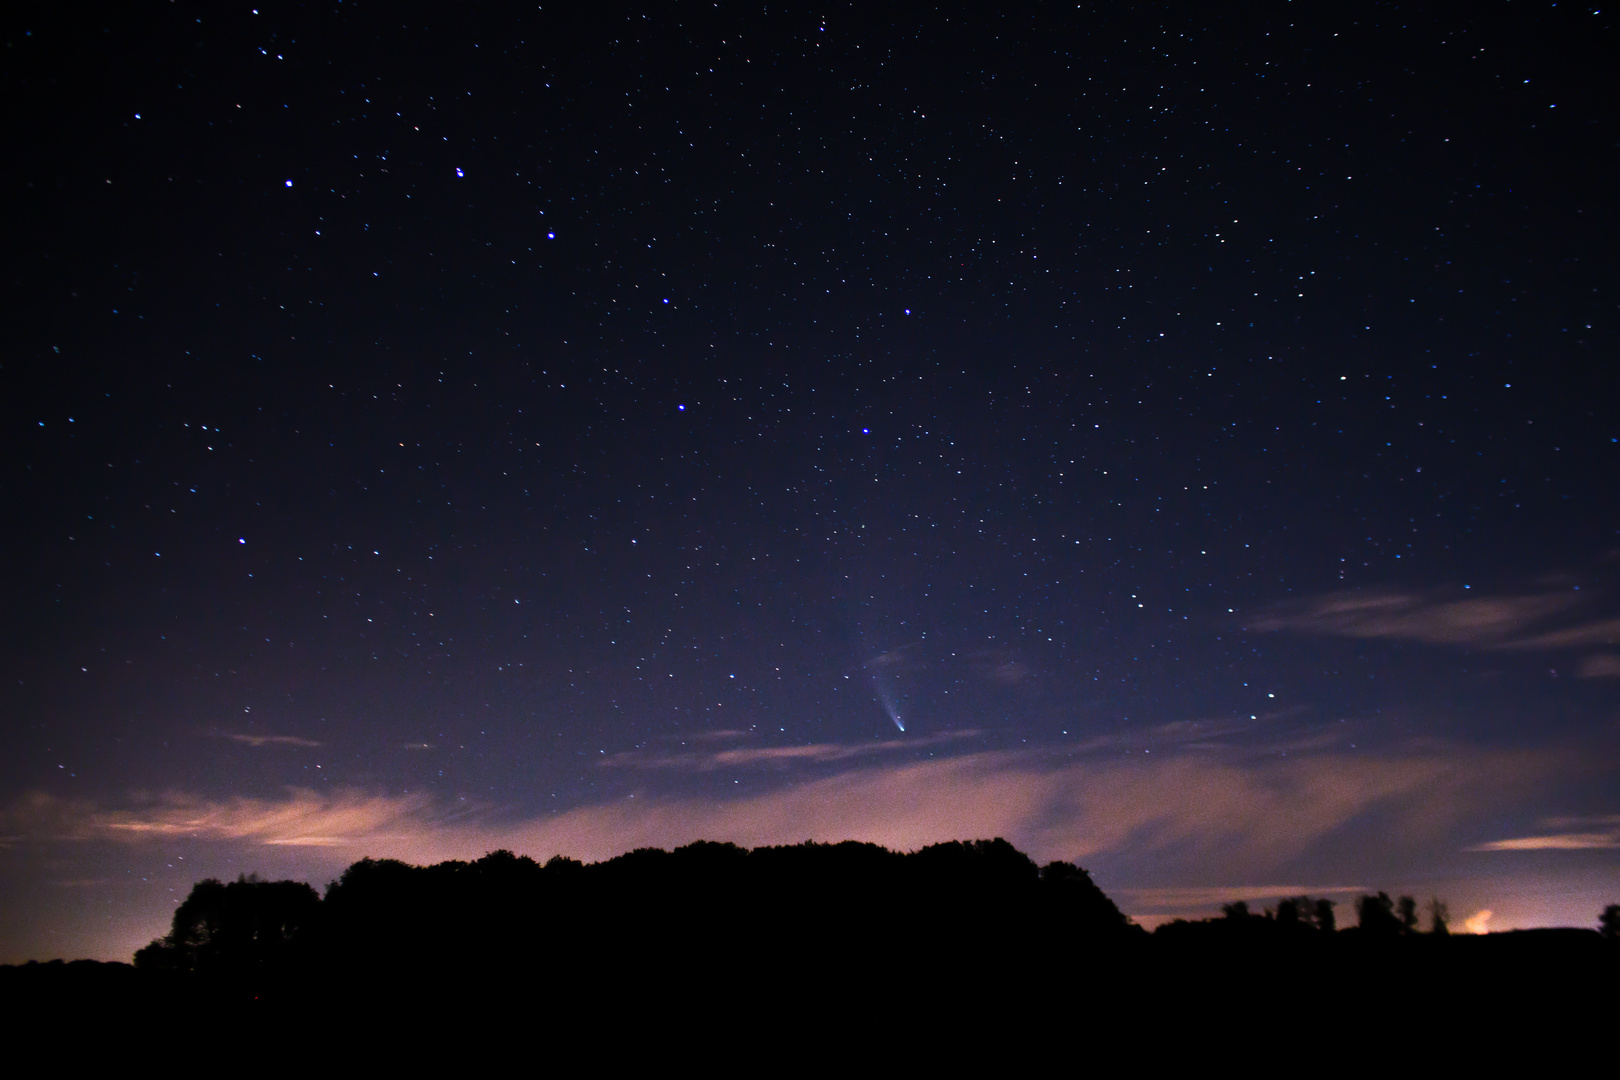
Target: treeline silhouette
x,y
706,913
828,934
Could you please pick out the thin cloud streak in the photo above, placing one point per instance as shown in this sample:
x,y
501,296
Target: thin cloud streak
x,y
1603,632
754,755
270,740
1577,833
1493,622
302,818
1592,841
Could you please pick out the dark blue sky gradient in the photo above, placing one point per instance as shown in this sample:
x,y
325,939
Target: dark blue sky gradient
x,y
495,417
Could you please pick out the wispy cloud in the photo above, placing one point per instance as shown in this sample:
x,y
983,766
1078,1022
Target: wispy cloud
x,y
1556,842
710,760
1588,819
269,740
299,818
1242,813
1004,666
1600,666
1498,622
1472,621
1579,834
1600,632
893,658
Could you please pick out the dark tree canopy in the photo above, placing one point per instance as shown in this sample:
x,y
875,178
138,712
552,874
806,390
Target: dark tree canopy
x,y
1375,915
1407,913
705,906
244,925
814,922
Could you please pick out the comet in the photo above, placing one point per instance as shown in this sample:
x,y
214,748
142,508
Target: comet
x,y
890,706
880,668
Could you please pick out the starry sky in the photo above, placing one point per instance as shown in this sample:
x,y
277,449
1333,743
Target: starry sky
x,y
1179,440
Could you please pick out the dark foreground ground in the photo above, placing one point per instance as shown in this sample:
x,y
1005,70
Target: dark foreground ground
x,y
1550,995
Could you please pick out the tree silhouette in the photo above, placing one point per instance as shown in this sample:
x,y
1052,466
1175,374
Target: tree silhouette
x,y
1288,911
1439,917
1077,906
239,928
792,926
1376,915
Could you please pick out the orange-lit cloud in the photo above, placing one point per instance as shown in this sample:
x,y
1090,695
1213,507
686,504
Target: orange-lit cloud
x,y
300,818
1478,922
1246,813
1578,834
1555,842
1253,813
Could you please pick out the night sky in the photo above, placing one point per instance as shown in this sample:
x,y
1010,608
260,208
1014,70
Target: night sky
x,y
1181,440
